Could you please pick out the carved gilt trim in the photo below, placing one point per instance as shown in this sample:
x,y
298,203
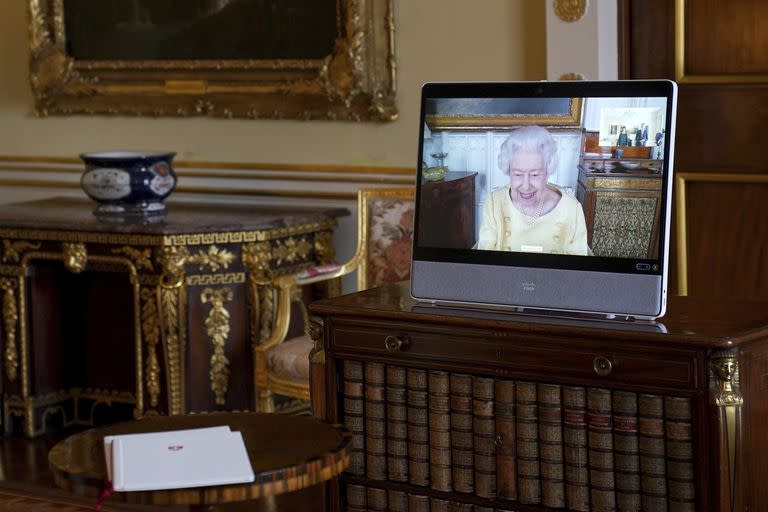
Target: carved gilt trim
x,y
315,331
217,328
142,258
75,257
172,260
10,321
724,378
570,10
215,279
213,258
12,251
150,325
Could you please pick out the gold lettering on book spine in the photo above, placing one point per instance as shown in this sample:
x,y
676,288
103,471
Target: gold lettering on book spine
x,y
10,319
150,326
75,257
217,328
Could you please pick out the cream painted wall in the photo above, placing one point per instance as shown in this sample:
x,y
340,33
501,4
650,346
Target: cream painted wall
x,y
437,40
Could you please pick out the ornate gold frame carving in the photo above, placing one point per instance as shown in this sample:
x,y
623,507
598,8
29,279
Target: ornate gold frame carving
x,y
355,82
10,320
572,118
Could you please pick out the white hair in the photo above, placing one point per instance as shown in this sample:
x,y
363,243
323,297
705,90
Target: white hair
x,y
529,138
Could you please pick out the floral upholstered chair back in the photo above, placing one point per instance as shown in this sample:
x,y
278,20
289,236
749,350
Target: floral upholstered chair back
x,y
386,218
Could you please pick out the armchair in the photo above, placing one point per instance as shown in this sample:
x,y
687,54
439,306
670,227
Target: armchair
x,y
383,254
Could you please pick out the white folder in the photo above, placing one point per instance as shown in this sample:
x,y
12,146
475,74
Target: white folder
x,y
179,459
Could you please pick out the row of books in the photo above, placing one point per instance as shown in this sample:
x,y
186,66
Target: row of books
x,y
573,447
363,499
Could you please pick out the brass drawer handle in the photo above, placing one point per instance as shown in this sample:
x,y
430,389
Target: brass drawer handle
x,y
395,343
602,365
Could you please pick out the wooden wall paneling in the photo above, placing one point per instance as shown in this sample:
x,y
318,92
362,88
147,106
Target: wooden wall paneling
x,y
722,113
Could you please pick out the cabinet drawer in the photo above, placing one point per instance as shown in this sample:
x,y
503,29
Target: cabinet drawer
x,y
494,353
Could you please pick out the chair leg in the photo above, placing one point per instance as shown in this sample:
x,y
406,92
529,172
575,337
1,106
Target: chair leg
x,y
266,401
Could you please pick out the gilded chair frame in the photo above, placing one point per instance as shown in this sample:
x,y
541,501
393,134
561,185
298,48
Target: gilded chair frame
x,y
287,290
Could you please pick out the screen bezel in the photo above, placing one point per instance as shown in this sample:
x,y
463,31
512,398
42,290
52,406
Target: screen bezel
x,y
575,89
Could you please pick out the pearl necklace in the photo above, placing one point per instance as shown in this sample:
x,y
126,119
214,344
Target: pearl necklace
x,y
529,219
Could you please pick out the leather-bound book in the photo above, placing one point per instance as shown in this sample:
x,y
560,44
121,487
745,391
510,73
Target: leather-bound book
x,y
438,505
681,485
484,427
397,424
626,456
354,418
653,472
600,442
462,451
356,498
528,458
418,503
377,499
418,427
375,423
456,506
575,452
397,501
439,405
506,451
551,445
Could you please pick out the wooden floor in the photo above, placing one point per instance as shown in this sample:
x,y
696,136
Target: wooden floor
x,y
26,485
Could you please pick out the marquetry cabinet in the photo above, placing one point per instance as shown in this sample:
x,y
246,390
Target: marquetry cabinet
x,y
109,318
453,409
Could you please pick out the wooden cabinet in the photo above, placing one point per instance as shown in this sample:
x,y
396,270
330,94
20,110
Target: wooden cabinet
x,y
448,211
465,410
622,207
107,319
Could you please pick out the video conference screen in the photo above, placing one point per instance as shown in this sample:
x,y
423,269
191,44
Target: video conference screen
x,y
542,180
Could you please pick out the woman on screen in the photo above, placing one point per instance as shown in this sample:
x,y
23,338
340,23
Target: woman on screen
x,y
530,214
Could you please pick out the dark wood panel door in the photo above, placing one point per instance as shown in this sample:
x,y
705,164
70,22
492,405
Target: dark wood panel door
x,y
716,52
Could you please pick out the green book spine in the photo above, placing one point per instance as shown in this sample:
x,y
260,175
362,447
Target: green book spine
x,y
528,458
462,451
484,427
418,428
653,473
397,424
506,451
680,463
600,442
551,445
375,423
439,405
575,452
354,417
626,451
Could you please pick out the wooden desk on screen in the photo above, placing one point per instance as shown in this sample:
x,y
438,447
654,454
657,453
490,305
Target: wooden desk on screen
x,y
141,317
589,415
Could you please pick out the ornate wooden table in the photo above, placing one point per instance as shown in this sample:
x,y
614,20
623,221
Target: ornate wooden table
x,y
143,317
287,453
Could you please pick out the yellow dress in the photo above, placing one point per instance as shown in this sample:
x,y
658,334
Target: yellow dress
x,y
560,231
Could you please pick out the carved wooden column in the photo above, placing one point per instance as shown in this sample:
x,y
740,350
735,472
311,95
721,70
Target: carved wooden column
x,y
172,301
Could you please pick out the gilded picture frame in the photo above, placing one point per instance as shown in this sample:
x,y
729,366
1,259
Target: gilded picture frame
x,y
503,113
355,81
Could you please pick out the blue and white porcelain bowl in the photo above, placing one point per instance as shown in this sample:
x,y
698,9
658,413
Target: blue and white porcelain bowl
x,y
128,182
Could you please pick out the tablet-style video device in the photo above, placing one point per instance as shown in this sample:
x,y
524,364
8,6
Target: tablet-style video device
x,y
545,195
